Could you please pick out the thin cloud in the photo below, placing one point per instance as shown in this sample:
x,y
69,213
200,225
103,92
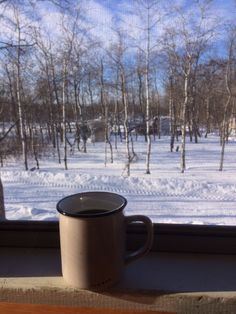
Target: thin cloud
x,y
100,20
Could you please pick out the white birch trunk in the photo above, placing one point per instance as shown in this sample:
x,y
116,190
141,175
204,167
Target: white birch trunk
x,y
2,207
171,114
183,128
19,102
64,114
126,126
226,108
105,107
148,95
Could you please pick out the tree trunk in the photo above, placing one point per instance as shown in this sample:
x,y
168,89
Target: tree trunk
x,y
207,117
126,126
19,102
77,113
224,133
147,92
148,129
64,114
107,136
104,105
2,207
171,114
52,122
228,83
183,127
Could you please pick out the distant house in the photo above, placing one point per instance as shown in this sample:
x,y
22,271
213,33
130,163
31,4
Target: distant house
x,y
165,125
157,124
97,128
232,126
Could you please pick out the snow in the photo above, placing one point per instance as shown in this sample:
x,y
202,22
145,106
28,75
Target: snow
x,y
202,195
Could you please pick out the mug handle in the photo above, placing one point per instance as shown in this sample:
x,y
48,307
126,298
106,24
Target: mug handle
x,y
148,244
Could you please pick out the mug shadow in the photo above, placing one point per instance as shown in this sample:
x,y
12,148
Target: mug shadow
x,y
167,273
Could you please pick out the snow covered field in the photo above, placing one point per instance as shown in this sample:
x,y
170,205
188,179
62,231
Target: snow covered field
x,y
202,195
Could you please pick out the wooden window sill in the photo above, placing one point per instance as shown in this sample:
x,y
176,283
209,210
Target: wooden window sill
x,y
14,308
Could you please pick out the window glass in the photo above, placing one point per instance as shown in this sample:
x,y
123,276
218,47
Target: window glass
x,y
135,98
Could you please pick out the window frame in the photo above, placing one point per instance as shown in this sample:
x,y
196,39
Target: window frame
x,y
180,238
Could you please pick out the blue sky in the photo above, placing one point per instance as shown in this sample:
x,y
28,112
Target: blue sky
x,y
113,5
103,12
106,15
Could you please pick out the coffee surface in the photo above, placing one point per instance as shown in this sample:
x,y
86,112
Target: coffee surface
x,y
91,211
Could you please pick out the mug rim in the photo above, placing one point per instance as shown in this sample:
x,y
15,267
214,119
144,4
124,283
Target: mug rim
x,y
93,215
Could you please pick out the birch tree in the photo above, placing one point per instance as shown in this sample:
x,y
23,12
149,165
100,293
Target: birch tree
x,y
2,207
70,31
147,11
104,104
118,59
191,39
171,64
2,204
64,86
230,72
21,116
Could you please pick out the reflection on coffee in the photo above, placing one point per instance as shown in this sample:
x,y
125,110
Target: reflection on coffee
x,y
91,211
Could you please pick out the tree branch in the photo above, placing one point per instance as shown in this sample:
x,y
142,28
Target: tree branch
x,y
8,131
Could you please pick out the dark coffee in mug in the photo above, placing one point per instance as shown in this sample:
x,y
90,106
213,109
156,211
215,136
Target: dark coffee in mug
x,y
92,211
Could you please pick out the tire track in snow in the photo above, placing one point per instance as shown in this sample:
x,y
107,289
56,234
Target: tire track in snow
x,y
34,196
164,189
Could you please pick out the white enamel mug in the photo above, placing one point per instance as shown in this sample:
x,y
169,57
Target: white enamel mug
x,y
92,238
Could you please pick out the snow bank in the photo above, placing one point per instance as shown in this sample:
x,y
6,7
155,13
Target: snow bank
x,y
201,195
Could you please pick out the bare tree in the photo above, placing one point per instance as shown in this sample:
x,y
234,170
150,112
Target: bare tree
x,y
2,204
118,58
104,104
19,94
2,207
148,14
230,72
191,38
171,63
64,86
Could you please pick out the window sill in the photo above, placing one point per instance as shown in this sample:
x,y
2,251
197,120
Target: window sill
x,y
178,282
